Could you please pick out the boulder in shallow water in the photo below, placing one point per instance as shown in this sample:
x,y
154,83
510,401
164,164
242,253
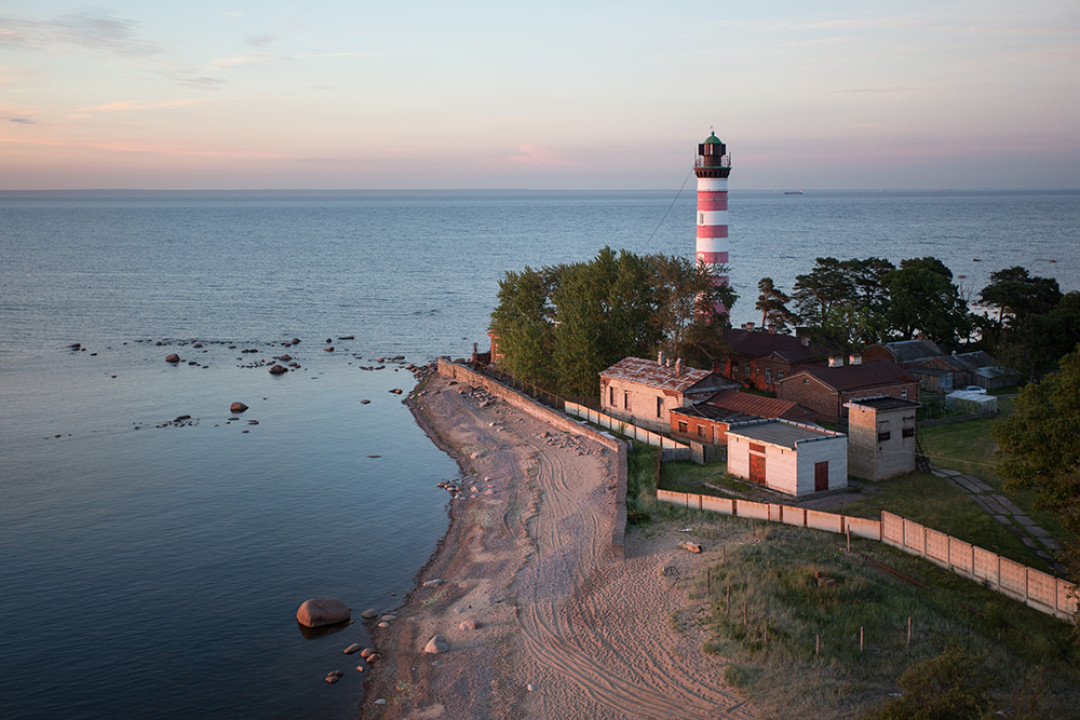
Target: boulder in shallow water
x,y
172,358
238,407
278,369
318,612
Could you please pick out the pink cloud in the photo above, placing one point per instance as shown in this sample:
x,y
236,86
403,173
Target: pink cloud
x,y
534,155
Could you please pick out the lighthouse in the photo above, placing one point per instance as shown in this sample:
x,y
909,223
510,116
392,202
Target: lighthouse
x,y
712,166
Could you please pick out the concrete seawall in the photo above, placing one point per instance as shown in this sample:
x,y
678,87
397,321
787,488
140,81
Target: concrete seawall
x,y
560,422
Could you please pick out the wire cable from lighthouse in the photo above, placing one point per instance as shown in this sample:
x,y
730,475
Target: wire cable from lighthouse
x,y
668,211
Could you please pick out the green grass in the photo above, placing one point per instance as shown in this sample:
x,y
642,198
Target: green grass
x,y
768,577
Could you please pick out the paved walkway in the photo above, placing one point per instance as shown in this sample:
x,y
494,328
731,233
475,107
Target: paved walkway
x,y
1006,512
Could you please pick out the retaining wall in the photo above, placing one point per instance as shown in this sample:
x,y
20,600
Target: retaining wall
x,y
560,422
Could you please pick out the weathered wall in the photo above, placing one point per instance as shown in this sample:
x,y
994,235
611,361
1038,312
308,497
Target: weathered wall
x,y
560,422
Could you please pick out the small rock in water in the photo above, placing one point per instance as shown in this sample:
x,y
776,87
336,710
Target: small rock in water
x,y
370,614
355,647
329,348
365,402
172,358
238,407
278,369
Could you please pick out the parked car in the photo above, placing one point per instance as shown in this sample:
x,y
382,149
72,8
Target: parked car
x,y
975,389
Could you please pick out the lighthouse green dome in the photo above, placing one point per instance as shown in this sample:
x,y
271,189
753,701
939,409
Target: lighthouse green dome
x,y
712,139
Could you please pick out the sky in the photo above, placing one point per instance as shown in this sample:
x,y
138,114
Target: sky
x,y
144,94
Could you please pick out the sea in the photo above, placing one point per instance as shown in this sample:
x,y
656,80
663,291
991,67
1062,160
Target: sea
x,y
155,546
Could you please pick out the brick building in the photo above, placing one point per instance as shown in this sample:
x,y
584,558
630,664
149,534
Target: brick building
x,y
761,359
707,422
643,392
826,390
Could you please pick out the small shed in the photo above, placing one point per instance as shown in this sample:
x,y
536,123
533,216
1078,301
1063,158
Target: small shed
x,y
790,457
972,402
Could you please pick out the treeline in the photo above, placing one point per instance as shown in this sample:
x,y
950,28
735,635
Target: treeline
x,y
1026,322
559,326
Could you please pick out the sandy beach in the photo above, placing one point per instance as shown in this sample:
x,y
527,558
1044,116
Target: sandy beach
x,y
540,619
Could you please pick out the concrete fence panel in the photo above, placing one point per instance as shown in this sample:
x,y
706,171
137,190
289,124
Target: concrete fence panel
x,y
718,504
794,515
985,566
1042,590
776,513
750,509
892,529
962,557
914,537
1013,578
864,528
1067,597
937,546
830,522
675,498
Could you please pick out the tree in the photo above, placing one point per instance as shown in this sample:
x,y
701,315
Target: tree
x,y
923,297
1039,446
818,293
522,321
686,293
773,302
1017,295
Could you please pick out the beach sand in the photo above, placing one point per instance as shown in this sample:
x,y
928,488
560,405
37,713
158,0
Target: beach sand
x,y
564,629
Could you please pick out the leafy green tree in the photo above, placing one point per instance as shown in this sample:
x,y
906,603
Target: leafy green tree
x,y
773,304
820,292
686,294
523,323
1017,295
581,342
1039,447
950,686
923,297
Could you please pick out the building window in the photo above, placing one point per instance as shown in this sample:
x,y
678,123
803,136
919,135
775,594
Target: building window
x,y
883,436
626,400
660,407
903,394
611,395
701,431
746,371
682,426
779,374
908,432
768,374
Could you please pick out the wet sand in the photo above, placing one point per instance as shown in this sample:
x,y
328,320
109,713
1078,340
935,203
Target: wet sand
x,y
562,628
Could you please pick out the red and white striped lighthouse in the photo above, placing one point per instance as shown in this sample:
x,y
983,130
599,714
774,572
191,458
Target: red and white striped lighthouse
x,y
712,166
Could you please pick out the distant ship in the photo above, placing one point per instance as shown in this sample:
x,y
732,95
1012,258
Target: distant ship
x,y
793,192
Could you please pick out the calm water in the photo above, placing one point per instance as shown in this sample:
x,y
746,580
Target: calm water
x,y
149,567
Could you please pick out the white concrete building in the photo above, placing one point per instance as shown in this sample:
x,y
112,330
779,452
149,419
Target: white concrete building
x,y
790,457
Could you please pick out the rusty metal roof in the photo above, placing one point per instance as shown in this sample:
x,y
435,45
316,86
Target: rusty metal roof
x,y
653,374
758,406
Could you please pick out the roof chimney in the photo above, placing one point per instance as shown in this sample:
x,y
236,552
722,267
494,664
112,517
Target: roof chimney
x,y
772,328
805,341
855,359
678,367
660,358
750,326
836,361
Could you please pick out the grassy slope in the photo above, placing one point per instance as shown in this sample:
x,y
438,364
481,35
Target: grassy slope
x,y
775,580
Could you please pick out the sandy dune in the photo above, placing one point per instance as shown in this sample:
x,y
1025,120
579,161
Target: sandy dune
x,y
564,629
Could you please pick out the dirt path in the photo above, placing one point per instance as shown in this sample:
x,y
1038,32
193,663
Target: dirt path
x,y
564,630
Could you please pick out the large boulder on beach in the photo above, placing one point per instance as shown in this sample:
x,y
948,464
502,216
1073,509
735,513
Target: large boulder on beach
x,y
318,612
